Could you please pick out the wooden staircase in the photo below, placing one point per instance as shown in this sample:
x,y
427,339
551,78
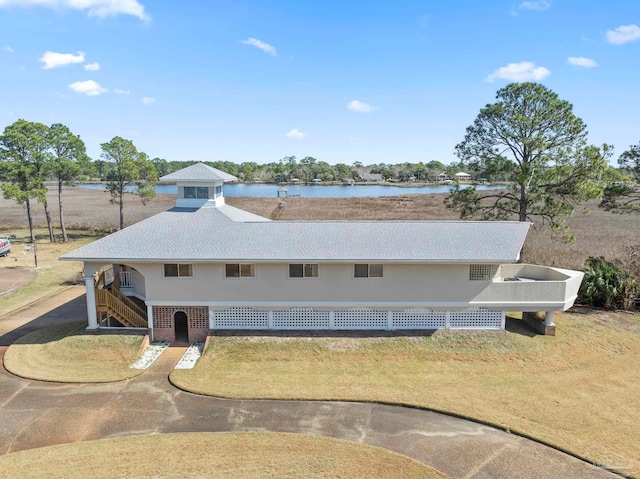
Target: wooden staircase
x,y
114,304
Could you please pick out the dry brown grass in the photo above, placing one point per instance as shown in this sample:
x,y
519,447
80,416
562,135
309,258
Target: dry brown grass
x,y
84,209
64,354
576,390
214,455
52,275
598,233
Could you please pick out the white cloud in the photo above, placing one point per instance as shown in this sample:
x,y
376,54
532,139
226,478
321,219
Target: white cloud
x,y
360,106
54,60
295,133
147,100
536,6
624,34
94,8
7,49
118,91
89,88
92,67
582,62
519,72
265,47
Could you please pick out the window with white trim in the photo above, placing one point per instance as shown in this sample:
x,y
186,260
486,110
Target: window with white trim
x,y
303,270
178,270
239,270
482,272
218,191
365,270
196,192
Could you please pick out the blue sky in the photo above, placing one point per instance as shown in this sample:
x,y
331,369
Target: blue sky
x,y
342,81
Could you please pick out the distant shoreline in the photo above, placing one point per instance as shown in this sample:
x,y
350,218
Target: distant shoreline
x,y
324,183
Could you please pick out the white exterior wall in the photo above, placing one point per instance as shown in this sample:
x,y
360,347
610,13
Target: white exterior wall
x,y
335,284
139,284
440,286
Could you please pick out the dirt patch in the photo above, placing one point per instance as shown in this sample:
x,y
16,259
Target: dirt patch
x,y
13,278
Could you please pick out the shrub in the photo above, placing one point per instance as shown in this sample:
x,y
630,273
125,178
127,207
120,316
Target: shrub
x,y
608,285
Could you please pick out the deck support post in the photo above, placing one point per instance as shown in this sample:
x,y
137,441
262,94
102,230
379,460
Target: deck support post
x,y
92,315
548,318
542,322
150,321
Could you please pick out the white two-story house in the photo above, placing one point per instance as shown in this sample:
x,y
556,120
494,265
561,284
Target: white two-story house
x,y
204,266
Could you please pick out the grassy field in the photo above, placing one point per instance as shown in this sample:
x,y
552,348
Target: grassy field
x,y
575,391
597,232
63,354
52,275
214,455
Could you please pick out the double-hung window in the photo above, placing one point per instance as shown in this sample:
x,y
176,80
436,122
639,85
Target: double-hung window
x,y
303,270
364,270
178,270
235,270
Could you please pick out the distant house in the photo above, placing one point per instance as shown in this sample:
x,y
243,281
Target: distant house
x,y
316,181
462,176
441,177
347,181
370,177
204,266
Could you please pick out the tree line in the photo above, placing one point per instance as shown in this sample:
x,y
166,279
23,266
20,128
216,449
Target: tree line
x,y
309,168
32,153
529,138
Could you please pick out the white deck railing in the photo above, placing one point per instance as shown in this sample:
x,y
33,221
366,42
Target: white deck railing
x,y
126,279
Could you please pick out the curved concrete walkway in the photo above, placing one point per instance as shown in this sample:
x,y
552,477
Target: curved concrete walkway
x,y
35,414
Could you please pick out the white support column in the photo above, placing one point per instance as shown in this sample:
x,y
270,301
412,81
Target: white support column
x,y
548,318
389,320
150,320
270,319
212,319
447,320
92,315
503,320
332,320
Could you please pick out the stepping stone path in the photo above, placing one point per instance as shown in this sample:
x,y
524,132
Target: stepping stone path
x,y
191,356
150,354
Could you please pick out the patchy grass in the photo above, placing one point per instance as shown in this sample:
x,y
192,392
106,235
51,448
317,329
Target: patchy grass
x,y
574,391
215,455
52,275
64,354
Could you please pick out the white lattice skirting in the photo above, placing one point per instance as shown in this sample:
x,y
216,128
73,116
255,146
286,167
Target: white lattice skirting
x,y
309,318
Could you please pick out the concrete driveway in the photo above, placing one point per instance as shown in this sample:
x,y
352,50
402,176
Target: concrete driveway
x,y
35,414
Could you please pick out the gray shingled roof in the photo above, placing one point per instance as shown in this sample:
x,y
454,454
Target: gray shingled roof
x,y
198,173
229,234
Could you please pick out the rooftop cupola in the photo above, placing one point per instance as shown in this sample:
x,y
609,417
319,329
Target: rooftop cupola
x,y
198,185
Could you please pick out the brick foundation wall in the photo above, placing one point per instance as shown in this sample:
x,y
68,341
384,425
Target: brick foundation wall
x,y
197,322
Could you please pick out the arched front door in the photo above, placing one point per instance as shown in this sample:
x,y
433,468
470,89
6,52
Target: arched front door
x,y
180,322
